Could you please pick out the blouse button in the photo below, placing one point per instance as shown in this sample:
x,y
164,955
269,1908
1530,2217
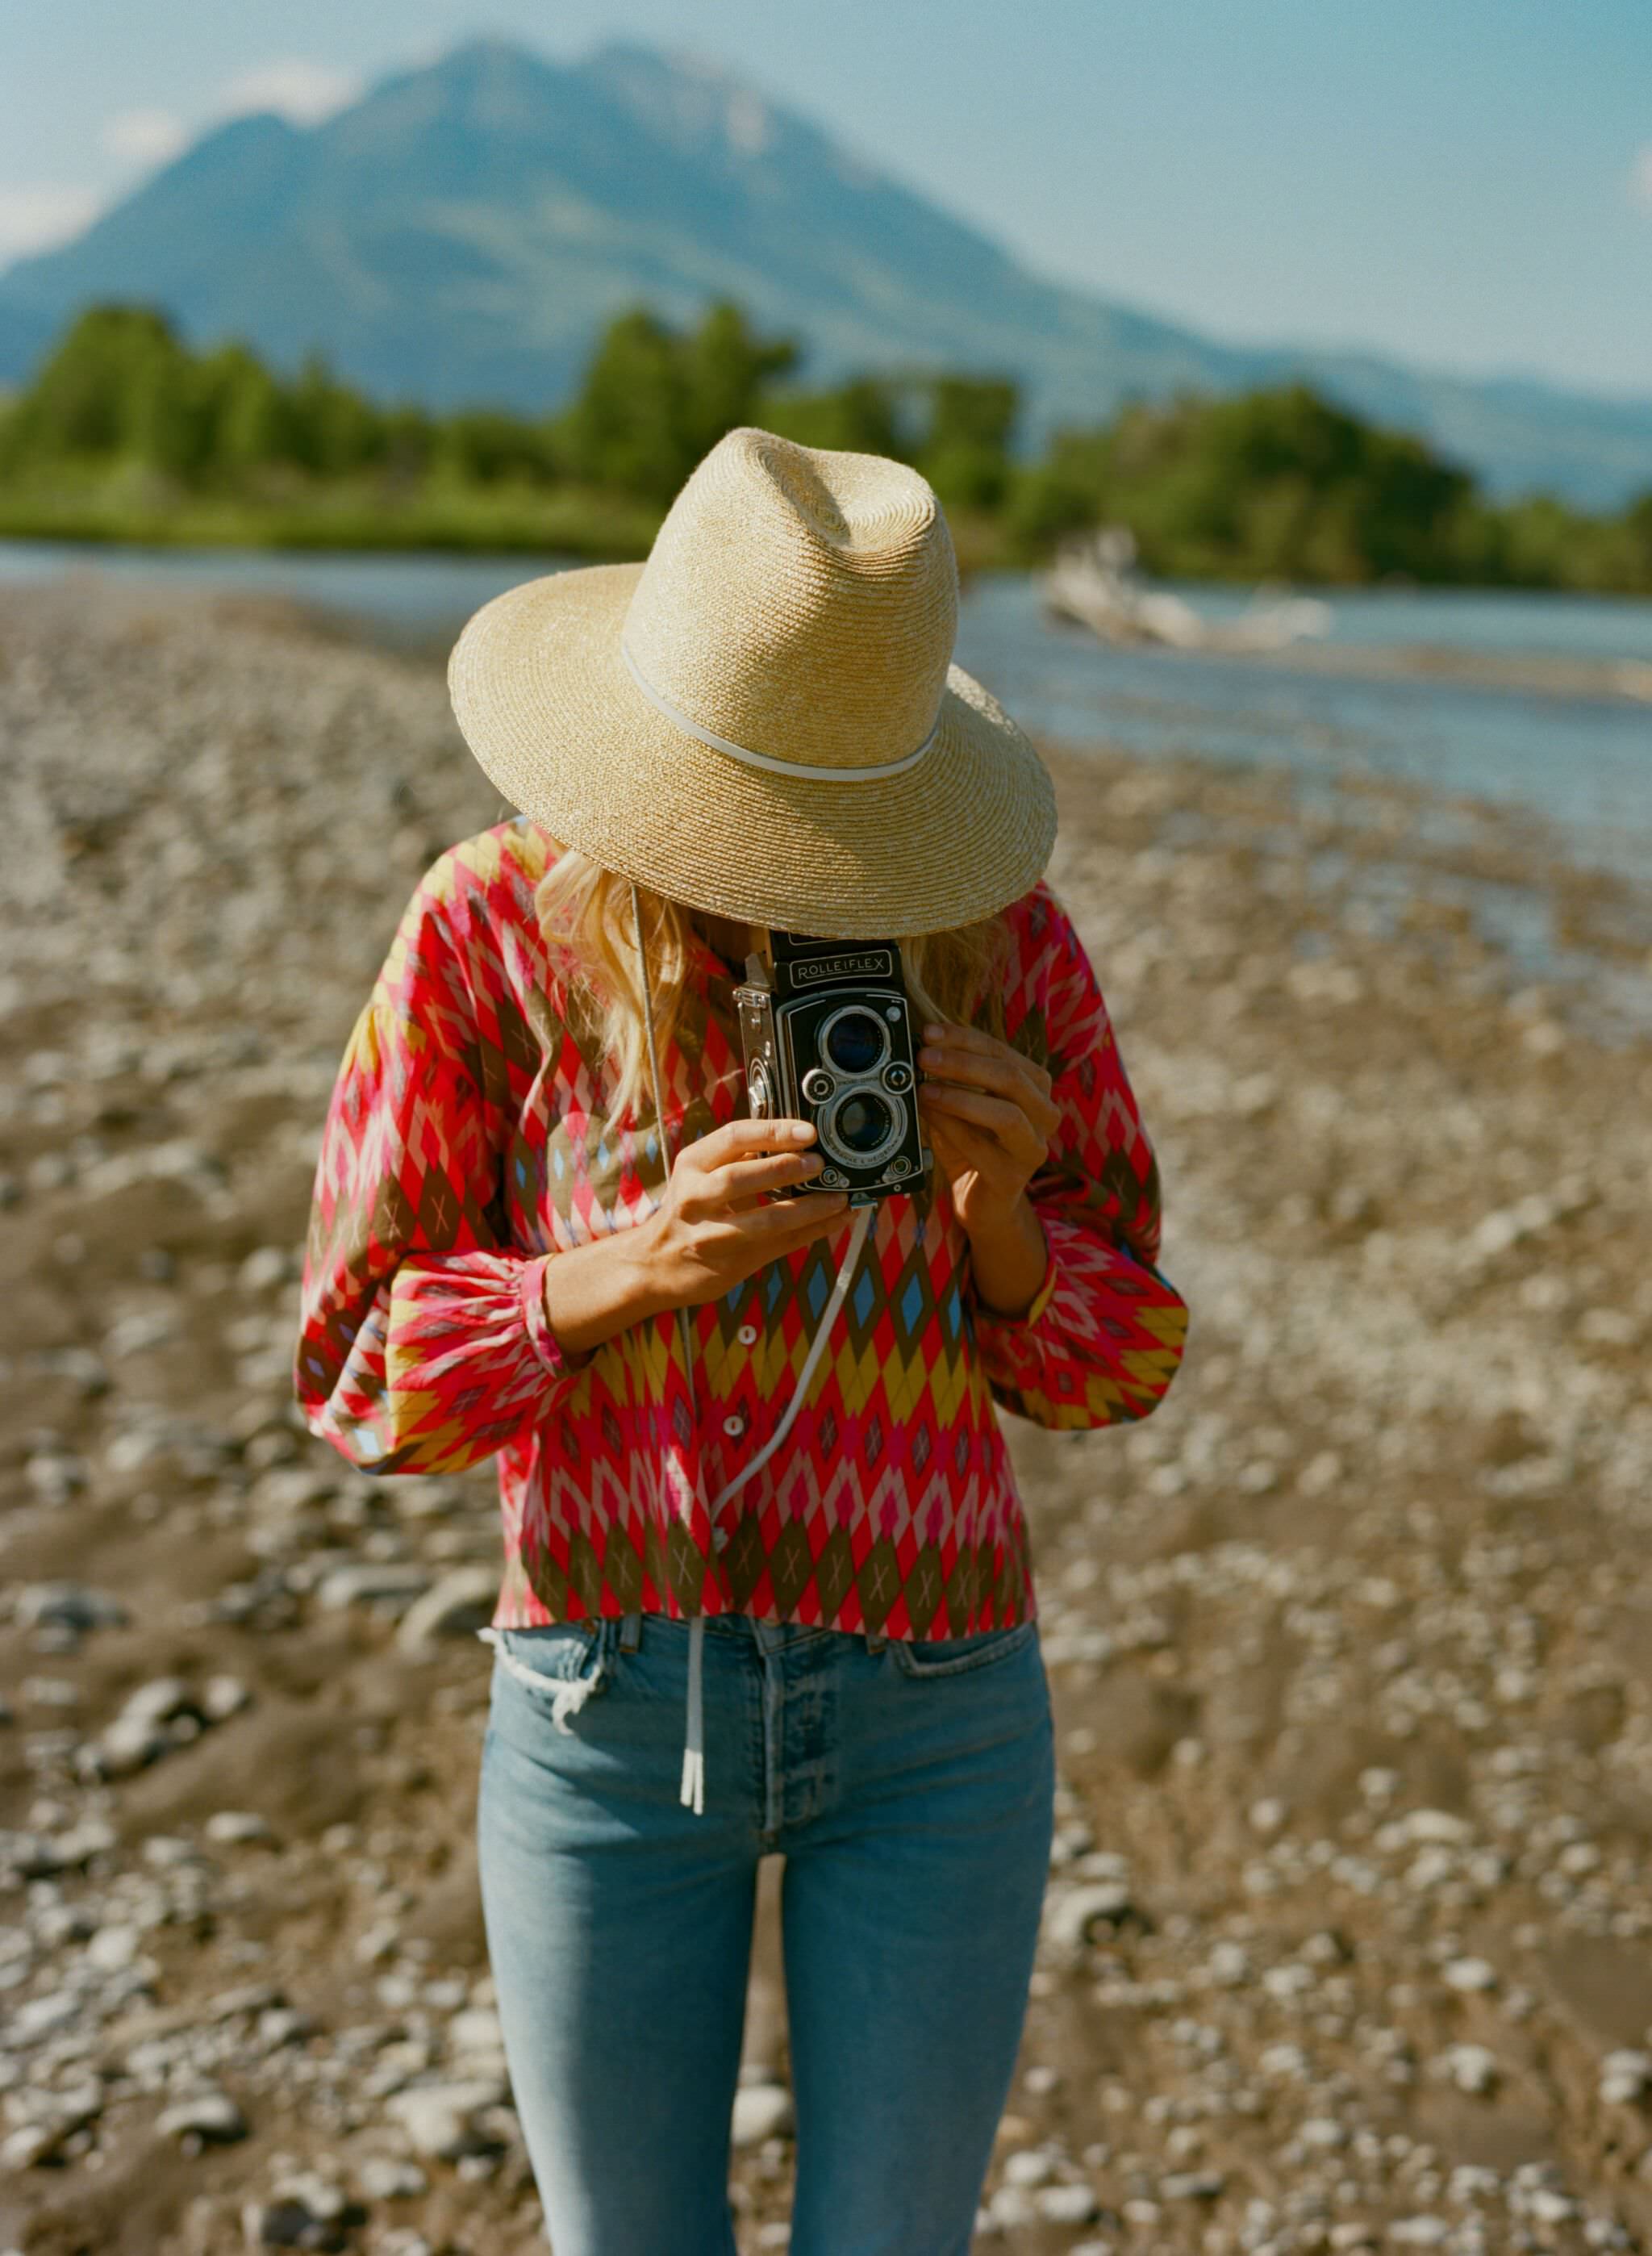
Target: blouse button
x,y
734,1423
747,1335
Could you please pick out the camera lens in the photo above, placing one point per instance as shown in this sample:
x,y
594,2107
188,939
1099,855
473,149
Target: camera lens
x,y
854,1041
862,1121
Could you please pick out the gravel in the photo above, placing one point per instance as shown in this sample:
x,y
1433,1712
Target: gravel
x,y
1347,1936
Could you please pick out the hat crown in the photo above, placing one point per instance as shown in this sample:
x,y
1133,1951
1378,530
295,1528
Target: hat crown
x,y
799,602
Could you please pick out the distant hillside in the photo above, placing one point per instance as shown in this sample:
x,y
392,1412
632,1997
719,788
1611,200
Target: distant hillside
x,y
461,233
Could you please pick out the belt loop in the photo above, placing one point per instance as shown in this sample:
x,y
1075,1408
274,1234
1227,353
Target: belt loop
x,y
875,1640
630,1633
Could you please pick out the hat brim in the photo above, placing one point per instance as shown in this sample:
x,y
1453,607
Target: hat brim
x,y
549,708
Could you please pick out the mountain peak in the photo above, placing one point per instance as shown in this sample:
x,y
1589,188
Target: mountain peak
x,y
463,233
488,54
696,101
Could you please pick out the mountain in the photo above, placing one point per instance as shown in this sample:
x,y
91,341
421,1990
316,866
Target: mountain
x,y
461,234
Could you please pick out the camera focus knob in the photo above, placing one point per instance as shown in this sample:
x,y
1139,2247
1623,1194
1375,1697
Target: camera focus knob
x,y
816,1085
757,1093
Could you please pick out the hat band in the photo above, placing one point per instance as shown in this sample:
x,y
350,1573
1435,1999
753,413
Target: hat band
x,y
680,719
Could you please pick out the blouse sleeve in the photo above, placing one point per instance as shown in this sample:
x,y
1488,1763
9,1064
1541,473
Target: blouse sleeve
x,y
1104,1334
423,1344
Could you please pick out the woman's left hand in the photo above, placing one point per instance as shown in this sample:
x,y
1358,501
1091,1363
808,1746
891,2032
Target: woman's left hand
x,y
988,1116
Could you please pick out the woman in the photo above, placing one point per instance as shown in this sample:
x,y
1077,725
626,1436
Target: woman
x,y
756,1504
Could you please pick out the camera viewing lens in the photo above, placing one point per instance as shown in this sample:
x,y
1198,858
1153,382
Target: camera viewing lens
x,y
855,1042
862,1121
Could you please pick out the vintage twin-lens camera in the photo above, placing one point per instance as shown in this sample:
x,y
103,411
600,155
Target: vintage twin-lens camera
x,y
827,1035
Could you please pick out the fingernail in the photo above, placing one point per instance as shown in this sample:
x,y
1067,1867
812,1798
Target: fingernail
x,y
932,1034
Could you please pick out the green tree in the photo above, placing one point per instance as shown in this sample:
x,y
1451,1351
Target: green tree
x,y
334,429
483,446
653,401
726,370
625,427
966,450
857,416
245,411
117,384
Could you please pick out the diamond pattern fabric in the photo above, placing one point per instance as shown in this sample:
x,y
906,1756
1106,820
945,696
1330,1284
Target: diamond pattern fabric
x,y
468,1142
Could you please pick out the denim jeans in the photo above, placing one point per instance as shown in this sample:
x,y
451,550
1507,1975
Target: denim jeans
x,y
910,1789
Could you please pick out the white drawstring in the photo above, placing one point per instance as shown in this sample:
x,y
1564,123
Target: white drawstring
x,y
568,1697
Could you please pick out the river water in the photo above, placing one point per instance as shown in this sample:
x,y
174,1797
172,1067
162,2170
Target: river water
x,y
1584,763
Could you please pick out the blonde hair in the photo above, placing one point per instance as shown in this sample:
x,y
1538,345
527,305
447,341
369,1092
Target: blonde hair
x,y
584,912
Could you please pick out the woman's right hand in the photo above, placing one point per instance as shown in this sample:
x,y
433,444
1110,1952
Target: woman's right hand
x,y
713,1228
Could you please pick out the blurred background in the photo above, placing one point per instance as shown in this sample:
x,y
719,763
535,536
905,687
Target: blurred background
x,y
1286,374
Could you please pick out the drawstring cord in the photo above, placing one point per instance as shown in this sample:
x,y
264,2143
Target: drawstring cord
x,y
692,1794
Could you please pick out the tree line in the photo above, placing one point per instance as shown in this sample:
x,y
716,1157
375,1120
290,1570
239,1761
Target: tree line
x,y
1278,483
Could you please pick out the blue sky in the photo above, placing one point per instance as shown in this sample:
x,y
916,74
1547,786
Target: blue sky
x,y
1463,183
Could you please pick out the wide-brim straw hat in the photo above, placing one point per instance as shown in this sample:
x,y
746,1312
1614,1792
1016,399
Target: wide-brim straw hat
x,y
763,719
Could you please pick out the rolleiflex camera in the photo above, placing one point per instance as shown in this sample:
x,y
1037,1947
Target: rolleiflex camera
x,y
827,1034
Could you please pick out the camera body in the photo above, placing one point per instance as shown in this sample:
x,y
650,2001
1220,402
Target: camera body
x,y
828,1034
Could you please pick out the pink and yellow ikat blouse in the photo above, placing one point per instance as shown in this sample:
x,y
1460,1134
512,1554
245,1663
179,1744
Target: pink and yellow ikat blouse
x,y
469,1141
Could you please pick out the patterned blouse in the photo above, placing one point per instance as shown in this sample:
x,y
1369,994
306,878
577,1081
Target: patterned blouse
x,y
468,1141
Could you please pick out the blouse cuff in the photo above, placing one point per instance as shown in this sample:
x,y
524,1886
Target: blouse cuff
x,y
1040,1301
561,1361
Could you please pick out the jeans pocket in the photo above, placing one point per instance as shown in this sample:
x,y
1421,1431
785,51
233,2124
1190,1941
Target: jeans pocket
x,y
950,1656
559,1666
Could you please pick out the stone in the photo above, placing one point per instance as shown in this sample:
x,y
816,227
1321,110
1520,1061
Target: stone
x,y
232,1825
762,2110
68,1605
1072,1914
386,2177
1066,2204
437,2117
207,2116
366,1581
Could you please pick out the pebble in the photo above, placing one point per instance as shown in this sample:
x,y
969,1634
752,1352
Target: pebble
x,y
371,1581
1343,1635
233,1825
67,1605
1066,2204
762,2110
438,2116
385,2177
1625,2078
1072,1915
206,2117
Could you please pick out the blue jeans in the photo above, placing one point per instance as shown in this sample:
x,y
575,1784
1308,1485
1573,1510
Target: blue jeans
x,y
910,1789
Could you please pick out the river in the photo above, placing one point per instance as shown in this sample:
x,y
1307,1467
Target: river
x,y
1583,762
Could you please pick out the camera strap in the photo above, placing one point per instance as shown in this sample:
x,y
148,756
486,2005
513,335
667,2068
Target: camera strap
x,y
693,1787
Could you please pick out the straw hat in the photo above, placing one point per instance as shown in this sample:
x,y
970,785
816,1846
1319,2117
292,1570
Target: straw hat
x,y
764,720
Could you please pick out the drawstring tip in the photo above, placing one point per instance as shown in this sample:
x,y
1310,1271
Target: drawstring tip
x,y
693,1792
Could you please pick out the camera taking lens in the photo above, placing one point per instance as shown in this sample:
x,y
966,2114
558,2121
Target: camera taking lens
x,y
862,1121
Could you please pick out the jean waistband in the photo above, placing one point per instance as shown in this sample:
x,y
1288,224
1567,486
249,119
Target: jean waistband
x,y
767,1636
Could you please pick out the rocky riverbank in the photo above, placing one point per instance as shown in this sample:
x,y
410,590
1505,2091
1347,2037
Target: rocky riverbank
x,y
1349,1932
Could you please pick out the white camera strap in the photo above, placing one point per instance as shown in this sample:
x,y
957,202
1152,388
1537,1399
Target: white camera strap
x,y
693,1787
